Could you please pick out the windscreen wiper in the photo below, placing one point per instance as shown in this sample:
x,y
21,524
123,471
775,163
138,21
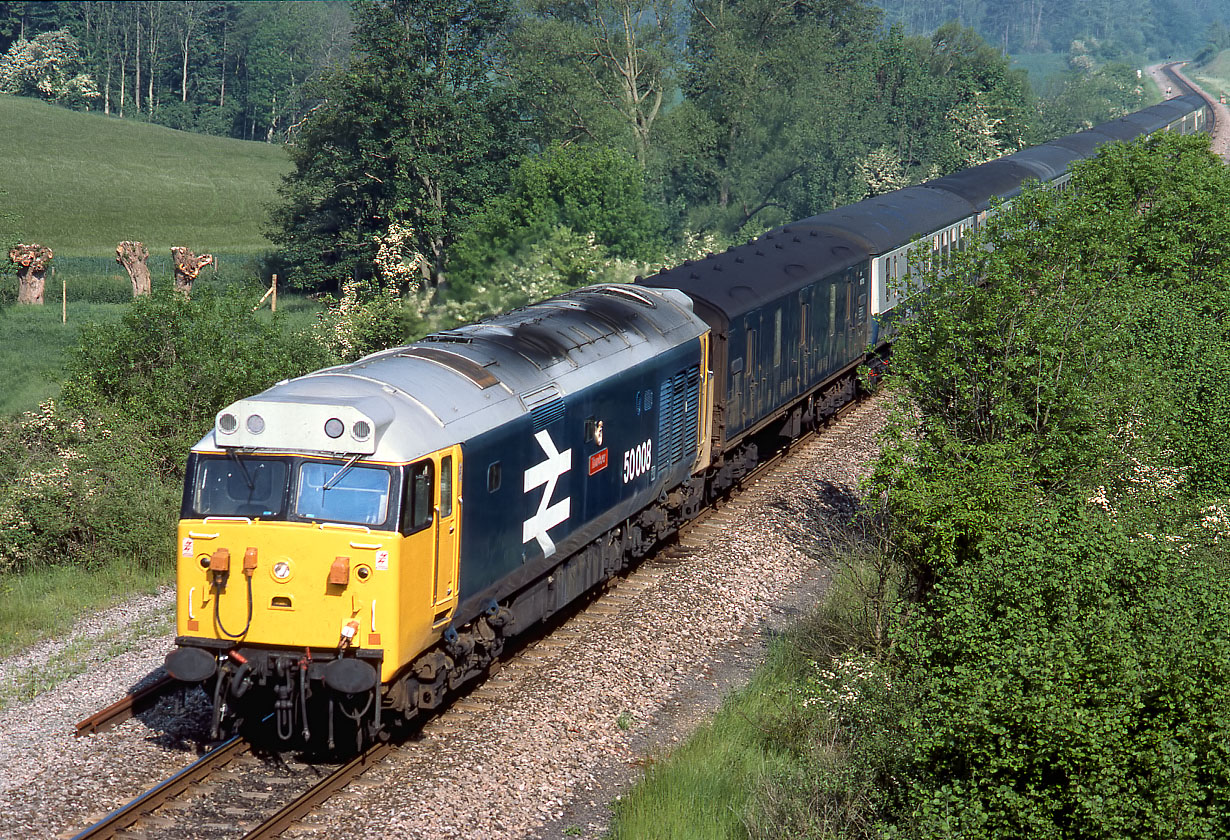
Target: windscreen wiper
x,y
345,468
246,476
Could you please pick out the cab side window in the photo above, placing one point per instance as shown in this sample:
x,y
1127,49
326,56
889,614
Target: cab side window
x,y
446,486
420,505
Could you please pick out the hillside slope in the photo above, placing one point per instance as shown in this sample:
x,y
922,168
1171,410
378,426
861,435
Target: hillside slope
x,y
1214,76
81,182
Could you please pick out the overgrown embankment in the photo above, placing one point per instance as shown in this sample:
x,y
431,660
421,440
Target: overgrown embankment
x,y
1054,500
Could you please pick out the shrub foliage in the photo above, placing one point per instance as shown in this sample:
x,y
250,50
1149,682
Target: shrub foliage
x,y
1055,492
98,475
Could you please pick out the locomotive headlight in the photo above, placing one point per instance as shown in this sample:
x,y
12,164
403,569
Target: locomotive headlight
x,y
256,424
361,430
334,427
281,570
228,423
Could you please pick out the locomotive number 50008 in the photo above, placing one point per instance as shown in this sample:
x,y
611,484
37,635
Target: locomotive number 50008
x,y
638,460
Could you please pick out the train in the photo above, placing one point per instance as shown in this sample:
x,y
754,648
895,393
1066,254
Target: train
x,y
358,543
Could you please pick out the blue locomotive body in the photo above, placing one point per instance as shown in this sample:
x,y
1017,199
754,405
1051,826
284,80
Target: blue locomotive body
x,y
575,466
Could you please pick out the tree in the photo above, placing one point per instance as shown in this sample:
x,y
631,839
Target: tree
x,y
31,261
187,267
286,48
1076,339
585,190
775,106
882,171
133,256
598,70
1057,501
414,131
48,67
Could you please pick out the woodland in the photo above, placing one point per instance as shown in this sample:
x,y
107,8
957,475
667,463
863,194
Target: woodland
x,y
498,150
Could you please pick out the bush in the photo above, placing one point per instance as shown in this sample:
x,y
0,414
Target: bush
x,y
172,363
99,475
579,191
1071,683
77,490
1067,649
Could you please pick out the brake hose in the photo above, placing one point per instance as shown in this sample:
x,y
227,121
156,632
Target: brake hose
x,y
218,614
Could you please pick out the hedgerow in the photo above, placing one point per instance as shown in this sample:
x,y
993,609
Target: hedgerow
x,y
1056,495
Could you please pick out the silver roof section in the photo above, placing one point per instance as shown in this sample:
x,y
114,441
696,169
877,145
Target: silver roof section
x,y
402,403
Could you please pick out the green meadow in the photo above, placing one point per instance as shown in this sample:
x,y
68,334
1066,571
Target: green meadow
x,y
1214,76
80,183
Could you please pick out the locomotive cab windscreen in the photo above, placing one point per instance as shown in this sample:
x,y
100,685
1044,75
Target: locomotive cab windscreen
x,y
295,489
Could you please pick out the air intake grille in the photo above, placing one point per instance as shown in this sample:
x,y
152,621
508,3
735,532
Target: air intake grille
x,y
678,418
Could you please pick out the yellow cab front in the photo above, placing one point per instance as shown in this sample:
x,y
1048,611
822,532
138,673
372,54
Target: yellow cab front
x,y
341,556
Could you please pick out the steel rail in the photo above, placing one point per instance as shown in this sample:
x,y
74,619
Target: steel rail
x,y
155,797
320,792
124,708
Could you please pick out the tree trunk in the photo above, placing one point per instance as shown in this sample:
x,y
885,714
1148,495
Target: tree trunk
x,y
31,261
132,255
136,86
187,266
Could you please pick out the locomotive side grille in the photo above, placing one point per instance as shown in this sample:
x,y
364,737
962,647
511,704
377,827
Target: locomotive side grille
x,y
678,418
544,415
546,405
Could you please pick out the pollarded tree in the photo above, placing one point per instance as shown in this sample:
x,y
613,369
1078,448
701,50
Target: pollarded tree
x,y
414,131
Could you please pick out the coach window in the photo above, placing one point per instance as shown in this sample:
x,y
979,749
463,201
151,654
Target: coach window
x,y
420,510
446,486
493,477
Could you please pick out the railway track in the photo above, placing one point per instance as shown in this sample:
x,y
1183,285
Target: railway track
x,y
1219,118
121,710
241,805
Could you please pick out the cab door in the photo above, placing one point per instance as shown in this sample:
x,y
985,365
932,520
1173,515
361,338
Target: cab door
x,y
447,512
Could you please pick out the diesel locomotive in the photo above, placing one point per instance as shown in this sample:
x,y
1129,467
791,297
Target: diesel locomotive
x,y
358,542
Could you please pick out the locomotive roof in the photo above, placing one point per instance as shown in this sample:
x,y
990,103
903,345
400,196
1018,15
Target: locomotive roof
x,y
457,384
746,277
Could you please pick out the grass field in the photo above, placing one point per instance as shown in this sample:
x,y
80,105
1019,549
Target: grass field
x,y
32,347
1214,76
33,341
82,182
1041,66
